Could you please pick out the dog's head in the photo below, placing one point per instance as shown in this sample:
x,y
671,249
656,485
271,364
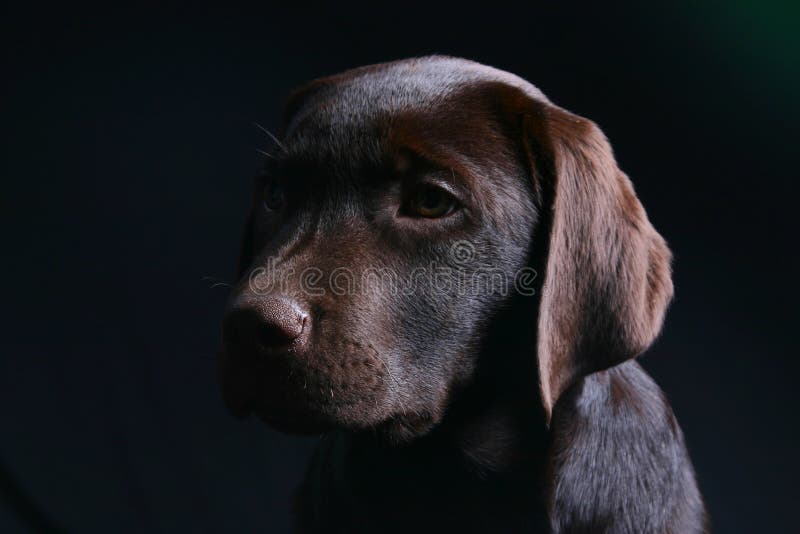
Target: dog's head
x,y
403,209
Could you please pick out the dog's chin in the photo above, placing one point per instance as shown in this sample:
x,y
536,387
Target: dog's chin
x,y
395,430
307,419
405,428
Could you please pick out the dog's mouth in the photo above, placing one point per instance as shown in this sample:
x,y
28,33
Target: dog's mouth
x,y
291,418
324,392
304,407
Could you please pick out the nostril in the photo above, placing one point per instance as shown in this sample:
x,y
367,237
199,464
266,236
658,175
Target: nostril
x,y
273,335
266,325
281,324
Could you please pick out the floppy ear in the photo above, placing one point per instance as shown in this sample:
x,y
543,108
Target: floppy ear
x,y
607,279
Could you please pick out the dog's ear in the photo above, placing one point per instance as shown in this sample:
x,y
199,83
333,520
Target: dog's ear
x,y
607,279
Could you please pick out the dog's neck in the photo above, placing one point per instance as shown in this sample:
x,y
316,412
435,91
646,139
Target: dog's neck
x,y
481,469
482,465
497,422
502,436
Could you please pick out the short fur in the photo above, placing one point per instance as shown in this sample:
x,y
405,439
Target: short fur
x,y
456,410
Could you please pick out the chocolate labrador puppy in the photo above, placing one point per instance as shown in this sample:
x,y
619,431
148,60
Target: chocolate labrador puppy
x,y
448,277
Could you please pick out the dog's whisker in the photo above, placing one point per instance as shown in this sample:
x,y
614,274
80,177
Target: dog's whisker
x,y
265,154
218,282
271,136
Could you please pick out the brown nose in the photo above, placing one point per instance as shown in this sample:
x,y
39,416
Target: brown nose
x,y
265,325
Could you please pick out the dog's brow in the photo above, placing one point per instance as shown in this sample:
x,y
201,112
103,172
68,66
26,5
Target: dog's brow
x,y
432,162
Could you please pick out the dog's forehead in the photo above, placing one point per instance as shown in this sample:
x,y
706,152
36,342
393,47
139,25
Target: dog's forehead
x,y
394,87
346,110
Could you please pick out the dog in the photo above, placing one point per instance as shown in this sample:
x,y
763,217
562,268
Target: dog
x,y
448,277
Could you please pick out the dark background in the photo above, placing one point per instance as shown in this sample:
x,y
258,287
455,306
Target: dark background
x,y
127,156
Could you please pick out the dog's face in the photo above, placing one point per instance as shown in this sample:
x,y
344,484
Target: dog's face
x,y
394,220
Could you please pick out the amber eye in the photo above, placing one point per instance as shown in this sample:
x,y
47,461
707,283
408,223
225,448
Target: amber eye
x,y
274,195
430,202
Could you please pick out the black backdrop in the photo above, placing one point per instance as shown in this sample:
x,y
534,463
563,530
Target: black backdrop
x,y
127,156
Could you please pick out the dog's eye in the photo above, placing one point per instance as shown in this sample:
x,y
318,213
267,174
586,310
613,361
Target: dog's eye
x,y
430,202
274,195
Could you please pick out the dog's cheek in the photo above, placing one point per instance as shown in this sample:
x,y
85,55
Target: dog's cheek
x,y
434,328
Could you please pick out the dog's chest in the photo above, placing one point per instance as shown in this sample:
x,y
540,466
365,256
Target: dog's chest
x,y
353,491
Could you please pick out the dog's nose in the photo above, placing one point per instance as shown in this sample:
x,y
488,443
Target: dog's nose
x,y
265,325
282,322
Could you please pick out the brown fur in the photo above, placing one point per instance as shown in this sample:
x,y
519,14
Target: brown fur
x,y
445,409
